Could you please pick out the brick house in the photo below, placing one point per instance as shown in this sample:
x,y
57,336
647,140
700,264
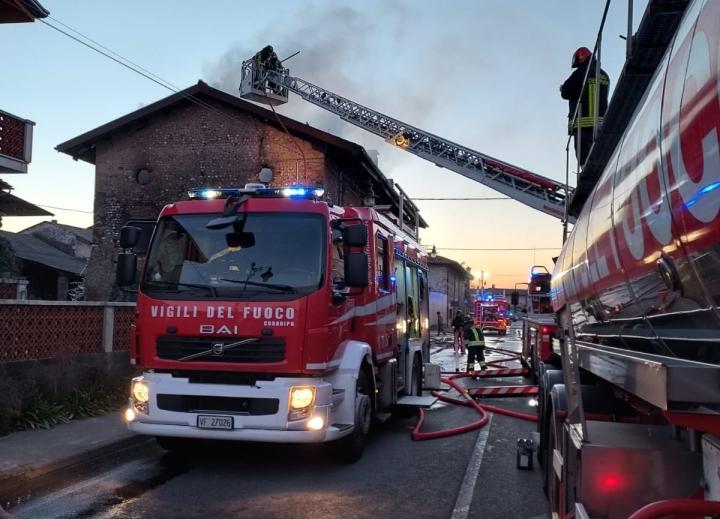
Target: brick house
x,y
449,290
202,136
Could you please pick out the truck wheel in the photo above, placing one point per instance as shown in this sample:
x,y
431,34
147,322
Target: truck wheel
x,y
549,378
349,449
557,403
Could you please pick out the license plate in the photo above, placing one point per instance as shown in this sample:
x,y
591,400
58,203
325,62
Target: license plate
x,y
215,422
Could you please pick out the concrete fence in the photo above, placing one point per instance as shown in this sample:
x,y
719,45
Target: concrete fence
x,y
35,330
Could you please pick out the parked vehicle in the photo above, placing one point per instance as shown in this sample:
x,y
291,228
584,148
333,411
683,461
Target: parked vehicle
x,y
636,290
267,314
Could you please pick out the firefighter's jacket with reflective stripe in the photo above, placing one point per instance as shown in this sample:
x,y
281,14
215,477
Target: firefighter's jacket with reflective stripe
x,y
571,90
474,337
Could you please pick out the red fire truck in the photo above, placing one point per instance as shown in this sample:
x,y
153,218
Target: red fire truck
x,y
267,314
491,314
633,418
539,344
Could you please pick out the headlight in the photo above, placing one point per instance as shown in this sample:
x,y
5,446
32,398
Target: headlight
x,y
140,390
316,423
302,397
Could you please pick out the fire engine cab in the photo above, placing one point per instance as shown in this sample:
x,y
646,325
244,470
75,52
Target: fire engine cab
x,y
539,338
268,314
491,314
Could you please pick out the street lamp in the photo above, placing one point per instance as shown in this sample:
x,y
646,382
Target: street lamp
x,y
483,275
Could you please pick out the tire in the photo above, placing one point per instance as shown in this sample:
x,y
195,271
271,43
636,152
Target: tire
x,y
349,449
557,402
549,378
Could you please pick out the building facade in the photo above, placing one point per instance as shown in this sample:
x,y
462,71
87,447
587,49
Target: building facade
x,y
449,290
203,137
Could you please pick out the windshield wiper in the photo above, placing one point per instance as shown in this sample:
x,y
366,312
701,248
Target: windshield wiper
x,y
284,288
170,284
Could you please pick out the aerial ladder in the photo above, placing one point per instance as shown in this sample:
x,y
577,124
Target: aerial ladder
x,y
271,85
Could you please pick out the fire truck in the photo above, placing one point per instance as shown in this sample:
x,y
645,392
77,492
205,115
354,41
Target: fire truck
x,y
491,314
267,314
633,418
539,344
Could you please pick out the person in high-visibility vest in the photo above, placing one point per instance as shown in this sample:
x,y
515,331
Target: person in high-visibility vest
x,y
475,345
593,99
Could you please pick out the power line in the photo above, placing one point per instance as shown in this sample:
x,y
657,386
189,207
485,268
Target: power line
x,y
125,62
64,209
501,249
466,198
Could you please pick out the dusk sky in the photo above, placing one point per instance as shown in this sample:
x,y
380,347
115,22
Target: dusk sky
x,y
482,73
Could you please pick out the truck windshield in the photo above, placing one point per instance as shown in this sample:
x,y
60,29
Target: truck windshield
x,y
267,254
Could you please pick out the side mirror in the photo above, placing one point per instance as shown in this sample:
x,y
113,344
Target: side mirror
x,y
126,269
514,298
355,235
356,270
224,221
244,240
129,236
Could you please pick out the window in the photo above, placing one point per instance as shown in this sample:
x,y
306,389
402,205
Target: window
x,y
265,253
338,260
381,262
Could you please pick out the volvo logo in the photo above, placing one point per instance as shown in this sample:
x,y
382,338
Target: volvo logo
x,y
218,349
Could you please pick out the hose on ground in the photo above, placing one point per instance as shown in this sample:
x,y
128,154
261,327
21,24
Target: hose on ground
x,y
418,435
482,409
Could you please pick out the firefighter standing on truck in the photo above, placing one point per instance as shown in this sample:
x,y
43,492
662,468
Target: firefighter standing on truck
x,y
592,109
475,345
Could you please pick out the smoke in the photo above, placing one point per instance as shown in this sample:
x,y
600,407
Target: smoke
x,y
338,46
427,67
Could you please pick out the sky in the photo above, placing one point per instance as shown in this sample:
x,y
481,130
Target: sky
x,y
481,73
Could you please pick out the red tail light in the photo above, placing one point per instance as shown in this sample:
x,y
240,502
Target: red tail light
x,y
544,329
610,482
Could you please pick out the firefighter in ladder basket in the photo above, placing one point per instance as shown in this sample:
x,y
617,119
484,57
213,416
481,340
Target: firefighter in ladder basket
x,y
475,344
267,60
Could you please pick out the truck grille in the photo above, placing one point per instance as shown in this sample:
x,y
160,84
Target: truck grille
x,y
224,404
264,349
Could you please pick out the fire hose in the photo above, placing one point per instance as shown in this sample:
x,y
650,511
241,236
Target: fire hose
x,y
677,508
482,410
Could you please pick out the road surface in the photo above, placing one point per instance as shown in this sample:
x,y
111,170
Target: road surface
x,y
468,476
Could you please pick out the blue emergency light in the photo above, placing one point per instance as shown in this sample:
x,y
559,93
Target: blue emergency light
x,y
254,190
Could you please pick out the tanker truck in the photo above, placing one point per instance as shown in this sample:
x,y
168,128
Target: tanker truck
x,y
632,420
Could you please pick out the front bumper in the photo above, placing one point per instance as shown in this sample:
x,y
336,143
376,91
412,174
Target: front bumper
x,y
274,427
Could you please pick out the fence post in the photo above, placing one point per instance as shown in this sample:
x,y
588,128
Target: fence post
x,y
108,325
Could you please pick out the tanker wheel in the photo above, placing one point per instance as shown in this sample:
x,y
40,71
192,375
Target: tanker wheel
x,y
546,382
549,477
349,449
551,483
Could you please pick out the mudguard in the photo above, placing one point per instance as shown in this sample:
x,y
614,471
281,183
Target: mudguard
x,y
349,357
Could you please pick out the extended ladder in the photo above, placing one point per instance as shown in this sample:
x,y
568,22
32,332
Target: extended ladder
x,y
541,193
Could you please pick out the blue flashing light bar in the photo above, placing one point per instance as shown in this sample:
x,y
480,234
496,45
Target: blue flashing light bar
x,y
301,192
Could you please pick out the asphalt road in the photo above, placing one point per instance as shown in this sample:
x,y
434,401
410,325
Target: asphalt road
x,y
467,476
